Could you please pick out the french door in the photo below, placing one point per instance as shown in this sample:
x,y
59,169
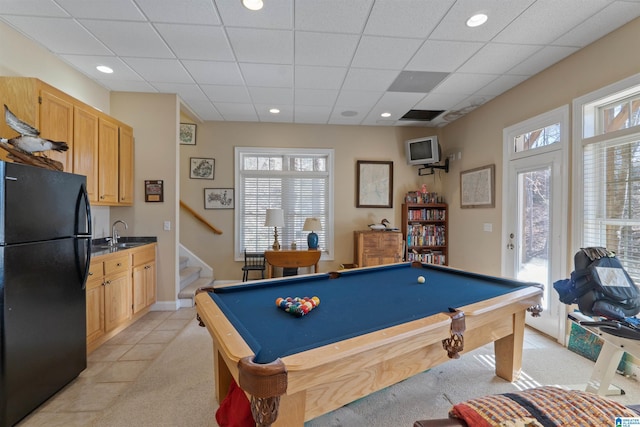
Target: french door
x,y
535,216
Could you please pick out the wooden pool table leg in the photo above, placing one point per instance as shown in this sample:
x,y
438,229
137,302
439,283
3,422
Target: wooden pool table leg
x,y
508,350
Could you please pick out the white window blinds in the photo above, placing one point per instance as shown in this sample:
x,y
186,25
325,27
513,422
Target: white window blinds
x,y
298,181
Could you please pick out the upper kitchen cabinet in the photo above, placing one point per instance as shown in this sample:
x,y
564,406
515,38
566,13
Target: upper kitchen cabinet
x,y
100,147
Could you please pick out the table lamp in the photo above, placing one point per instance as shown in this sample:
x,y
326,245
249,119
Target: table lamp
x,y
275,219
311,224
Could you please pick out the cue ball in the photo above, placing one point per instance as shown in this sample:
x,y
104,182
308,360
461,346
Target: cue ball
x,y
420,279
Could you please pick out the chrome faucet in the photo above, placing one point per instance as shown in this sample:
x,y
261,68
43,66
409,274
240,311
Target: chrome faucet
x,y
114,231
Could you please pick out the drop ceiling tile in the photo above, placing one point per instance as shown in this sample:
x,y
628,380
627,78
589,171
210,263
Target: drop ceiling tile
x,y
129,38
544,58
332,15
205,111
308,77
357,99
262,46
546,20
615,15
318,97
32,8
406,18
127,86
271,95
497,58
435,55
284,116
440,101
267,75
311,114
372,80
277,15
396,103
324,48
125,10
224,93
159,70
500,13
201,42
215,73
501,85
389,53
88,63
191,12
187,92
60,35
464,83
237,112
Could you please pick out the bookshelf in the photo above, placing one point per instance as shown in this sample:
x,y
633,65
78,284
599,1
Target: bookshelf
x,y
425,230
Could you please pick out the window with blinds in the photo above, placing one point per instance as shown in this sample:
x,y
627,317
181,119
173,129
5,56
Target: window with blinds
x,y
611,176
298,181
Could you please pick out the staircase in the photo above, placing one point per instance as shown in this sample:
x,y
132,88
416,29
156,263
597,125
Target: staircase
x,y
190,281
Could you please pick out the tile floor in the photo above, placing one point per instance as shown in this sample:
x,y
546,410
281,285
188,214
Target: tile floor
x,y
110,370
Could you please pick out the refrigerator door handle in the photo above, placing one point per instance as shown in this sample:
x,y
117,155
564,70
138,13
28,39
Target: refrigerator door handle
x,y
86,236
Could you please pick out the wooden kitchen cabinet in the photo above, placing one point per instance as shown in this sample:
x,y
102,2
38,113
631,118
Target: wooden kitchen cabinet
x,y
377,247
125,164
144,277
95,301
95,139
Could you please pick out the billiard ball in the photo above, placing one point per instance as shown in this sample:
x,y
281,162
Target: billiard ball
x,y
420,279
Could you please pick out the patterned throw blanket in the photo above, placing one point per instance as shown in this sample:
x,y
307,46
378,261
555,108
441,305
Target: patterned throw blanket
x,y
543,406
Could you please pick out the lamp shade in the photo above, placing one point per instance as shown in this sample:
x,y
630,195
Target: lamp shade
x,y
274,218
311,224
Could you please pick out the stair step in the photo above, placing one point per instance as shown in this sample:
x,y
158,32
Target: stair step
x,y
188,275
190,290
183,262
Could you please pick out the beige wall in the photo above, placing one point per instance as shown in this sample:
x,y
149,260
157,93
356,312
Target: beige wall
x,y
479,136
351,143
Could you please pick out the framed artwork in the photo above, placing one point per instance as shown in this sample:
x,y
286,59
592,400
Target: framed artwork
x,y
201,168
187,134
374,185
218,198
154,191
477,187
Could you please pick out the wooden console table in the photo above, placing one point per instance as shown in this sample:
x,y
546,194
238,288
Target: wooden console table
x,y
292,259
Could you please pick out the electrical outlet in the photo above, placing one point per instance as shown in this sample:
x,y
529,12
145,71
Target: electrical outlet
x,y
167,226
488,227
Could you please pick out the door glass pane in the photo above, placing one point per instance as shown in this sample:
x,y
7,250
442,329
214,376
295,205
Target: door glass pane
x,y
538,138
534,216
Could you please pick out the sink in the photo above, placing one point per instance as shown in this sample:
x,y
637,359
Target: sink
x,y
124,245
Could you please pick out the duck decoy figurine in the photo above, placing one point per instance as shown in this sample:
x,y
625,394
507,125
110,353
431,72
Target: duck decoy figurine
x,y
29,139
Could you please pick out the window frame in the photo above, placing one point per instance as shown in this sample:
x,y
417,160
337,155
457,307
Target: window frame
x,y
239,152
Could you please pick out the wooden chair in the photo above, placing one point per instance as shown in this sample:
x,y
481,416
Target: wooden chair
x,y
253,261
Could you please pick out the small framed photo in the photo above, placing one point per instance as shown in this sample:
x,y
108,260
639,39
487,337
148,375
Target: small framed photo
x,y
187,134
153,191
202,168
218,198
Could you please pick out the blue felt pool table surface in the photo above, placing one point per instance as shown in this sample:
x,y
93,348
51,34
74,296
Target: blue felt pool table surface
x,y
357,302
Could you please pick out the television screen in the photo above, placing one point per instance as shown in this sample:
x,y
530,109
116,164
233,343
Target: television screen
x,y
422,151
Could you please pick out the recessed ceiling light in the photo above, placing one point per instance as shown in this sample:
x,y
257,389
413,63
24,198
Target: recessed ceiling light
x,y
385,115
477,20
104,69
274,111
253,4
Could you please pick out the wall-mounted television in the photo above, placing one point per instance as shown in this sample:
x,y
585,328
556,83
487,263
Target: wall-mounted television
x,y
422,151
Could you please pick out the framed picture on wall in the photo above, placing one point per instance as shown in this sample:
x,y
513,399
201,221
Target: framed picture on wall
x,y
374,185
218,198
153,190
187,134
202,168
477,187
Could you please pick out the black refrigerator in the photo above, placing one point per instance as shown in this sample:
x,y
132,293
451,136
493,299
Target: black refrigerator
x,y
45,249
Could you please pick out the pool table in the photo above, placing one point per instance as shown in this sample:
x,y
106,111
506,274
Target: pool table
x,y
374,327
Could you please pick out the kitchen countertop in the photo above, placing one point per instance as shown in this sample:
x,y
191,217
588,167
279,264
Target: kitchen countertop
x,y
101,246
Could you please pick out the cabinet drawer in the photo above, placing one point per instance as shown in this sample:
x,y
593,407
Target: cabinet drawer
x,y
96,270
144,256
116,264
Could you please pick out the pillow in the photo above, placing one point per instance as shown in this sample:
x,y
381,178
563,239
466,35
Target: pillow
x,y
542,406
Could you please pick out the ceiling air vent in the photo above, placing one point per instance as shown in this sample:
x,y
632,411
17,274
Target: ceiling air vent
x,y
422,115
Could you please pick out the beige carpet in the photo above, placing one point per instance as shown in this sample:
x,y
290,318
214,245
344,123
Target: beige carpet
x,y
177,387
